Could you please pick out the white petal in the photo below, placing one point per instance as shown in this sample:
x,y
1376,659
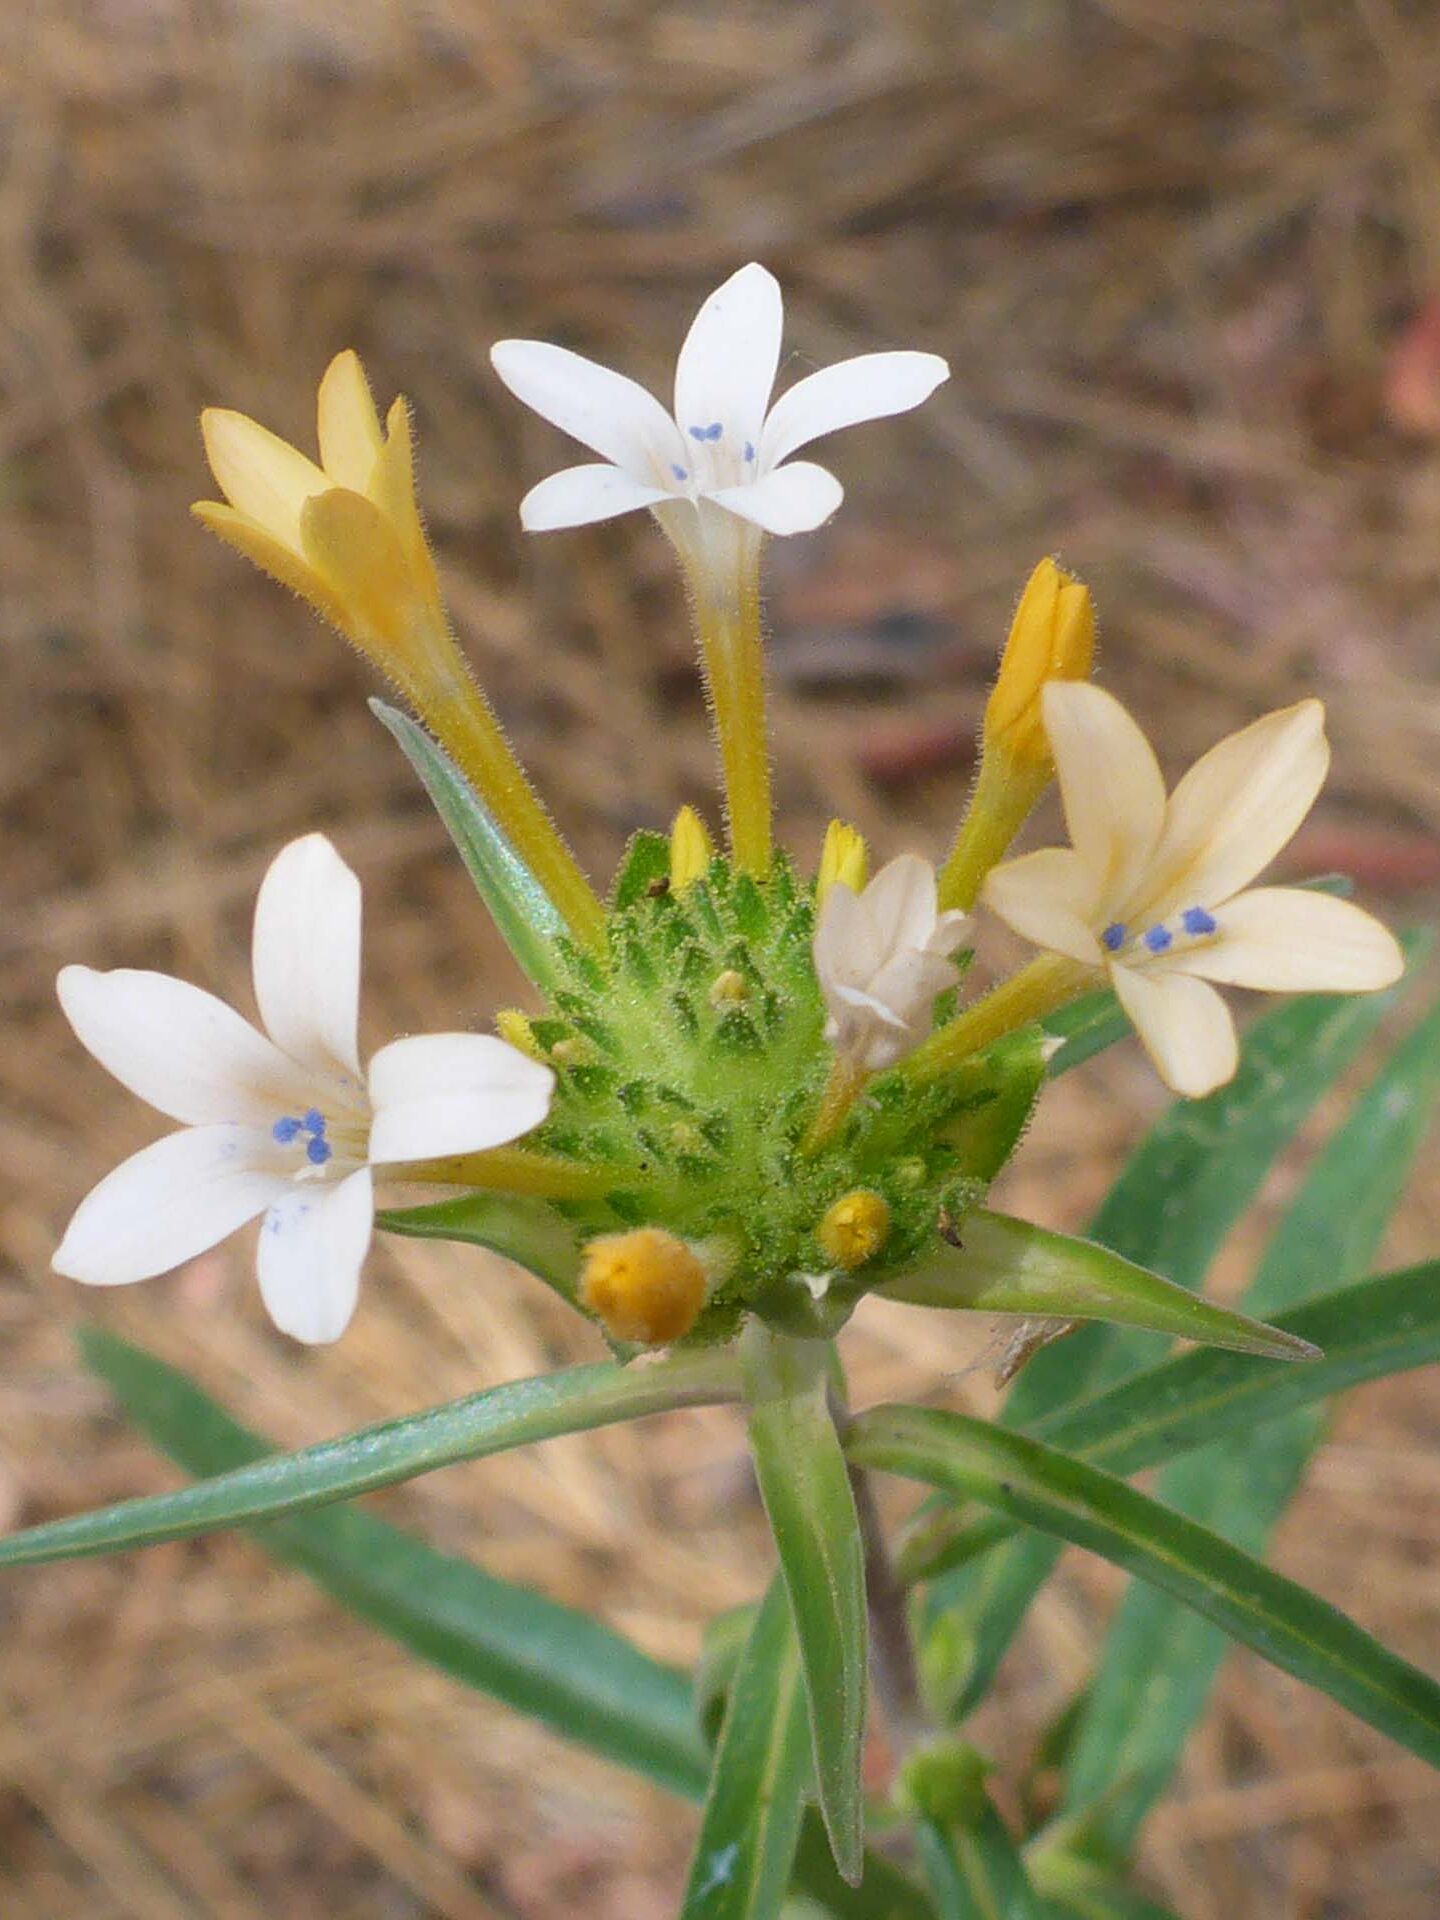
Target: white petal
x,y
312,1244
1049,897
1110,786
869,387
350,436
1288,940
1185,1027
579,496
900,904
442,1093
260,474
846,947
794,499
727,364
1237,807
306,955
167,1203
601,409
179,1047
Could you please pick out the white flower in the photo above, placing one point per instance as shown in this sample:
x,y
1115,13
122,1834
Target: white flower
x,y
1157,892
726,443
289,1125
881,956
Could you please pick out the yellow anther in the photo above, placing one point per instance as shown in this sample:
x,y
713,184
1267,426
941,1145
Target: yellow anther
x,y
646,1285
844,856
728,989
1052,637
855,1228
515,1029
691,849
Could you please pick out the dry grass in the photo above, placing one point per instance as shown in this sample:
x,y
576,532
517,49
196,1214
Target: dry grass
x,y
1168,250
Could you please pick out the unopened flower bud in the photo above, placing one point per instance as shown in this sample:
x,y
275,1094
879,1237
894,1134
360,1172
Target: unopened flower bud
x,y
845,857
855,1228
514,1027
1052,637
647,1286
691,849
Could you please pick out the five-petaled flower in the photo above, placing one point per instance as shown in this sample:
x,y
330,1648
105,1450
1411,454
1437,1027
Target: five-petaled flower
x,y
286,1125
1157,892
726,445
882,956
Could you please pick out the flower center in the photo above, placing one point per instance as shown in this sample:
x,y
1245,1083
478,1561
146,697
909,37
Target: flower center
x,y
323,1145
1189,929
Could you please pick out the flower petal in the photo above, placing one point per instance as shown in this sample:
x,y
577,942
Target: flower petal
x,y
1185,1027
1049,897
306,955
727,365
579,496
1110,786
869,387
601,409
312,1245
442,1093
793,499
847,948
260,474
1237,807
350,437
900,905
167,1203
1288,940
178,1047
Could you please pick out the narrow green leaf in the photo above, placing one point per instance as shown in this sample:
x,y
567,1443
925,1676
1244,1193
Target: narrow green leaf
x,y
516,1414
805,1485
541,1658
525,914
1159,1662
741,1865
1056,1494
975,1872
884,1893
1009,1266
529,1232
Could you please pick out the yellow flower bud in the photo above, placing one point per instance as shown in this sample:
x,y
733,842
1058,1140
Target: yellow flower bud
x,y
646,1285
691,849
844,856
1052,637
728,989
515,1029
855,1228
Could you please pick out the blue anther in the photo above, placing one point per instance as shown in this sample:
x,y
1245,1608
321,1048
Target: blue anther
x,y
285,1129
1197,920
680,473
1158,938
318,1151
749,453
712,432
314,1121
1113,938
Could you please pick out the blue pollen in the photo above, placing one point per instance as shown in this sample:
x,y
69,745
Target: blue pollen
x,y
712,432
1157,939
749,452
314,1122
1113,938
680,473
318,1151
285,1129
1197,920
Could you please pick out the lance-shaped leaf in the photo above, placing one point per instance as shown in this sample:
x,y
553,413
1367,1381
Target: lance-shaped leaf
x,y
1051,1491
525,914
975,1871
526,1231
805,1485
1387,1324
516,1414
742,1860
1009,1266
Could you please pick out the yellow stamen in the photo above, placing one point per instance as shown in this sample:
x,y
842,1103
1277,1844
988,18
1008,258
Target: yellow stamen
x,y
691,849
855,1228
844,857
1037,989
646,1285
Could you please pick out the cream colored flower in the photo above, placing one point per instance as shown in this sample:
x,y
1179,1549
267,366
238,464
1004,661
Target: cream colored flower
x,y
882,956
1157,892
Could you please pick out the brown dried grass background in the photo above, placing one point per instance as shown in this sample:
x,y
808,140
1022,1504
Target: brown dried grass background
x,y
1169,252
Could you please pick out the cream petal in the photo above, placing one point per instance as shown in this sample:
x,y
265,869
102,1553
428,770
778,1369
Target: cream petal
x,y
846,946
1110,786
1049,897
1237,807
1184,1025
306,955
178,1047
313,1242
260,474
579,496
1288,940
167,1203
727,366
793,499
869,387
350,436
441,1093
900,905
601,409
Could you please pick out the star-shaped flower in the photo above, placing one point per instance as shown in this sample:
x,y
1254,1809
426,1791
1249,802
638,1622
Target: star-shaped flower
x,y
287,1125
725,444
881,957
1157,892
